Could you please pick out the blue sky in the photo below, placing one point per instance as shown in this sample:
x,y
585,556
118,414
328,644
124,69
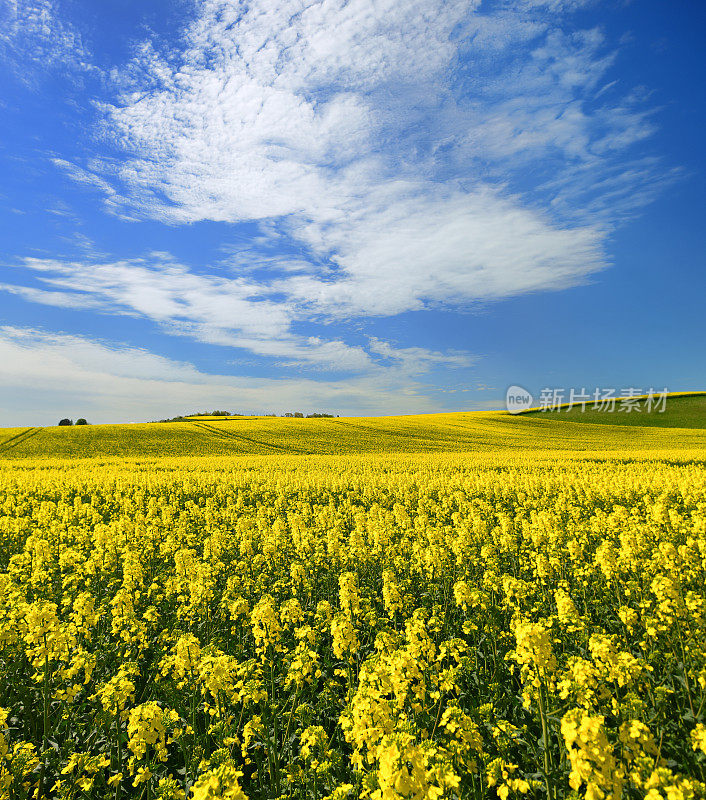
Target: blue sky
x,y
363,207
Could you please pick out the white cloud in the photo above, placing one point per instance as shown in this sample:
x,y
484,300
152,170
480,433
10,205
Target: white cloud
x,y
374,135
51,298
33,33
443,247
46,376
553,108
384,142
235,312
255,116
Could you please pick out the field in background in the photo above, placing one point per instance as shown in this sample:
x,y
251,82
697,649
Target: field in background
x,y
683,426
684,410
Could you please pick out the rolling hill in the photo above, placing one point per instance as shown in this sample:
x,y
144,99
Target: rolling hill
x,y
682,410
682,427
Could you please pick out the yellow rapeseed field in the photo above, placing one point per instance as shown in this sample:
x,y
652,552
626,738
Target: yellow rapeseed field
x,y
362,626
423,433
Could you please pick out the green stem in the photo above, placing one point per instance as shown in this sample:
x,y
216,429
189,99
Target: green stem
x,y
545,737
118,727
275,753
685,668
40,784
291,714
438,715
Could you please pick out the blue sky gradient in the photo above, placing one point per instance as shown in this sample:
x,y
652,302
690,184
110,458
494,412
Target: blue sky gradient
x,y
365,207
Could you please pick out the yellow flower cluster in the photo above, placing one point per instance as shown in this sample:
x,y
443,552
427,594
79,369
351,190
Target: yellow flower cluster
x,y
429,627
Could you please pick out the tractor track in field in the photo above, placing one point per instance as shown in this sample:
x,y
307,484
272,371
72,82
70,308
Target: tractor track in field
x,y
373,429
228,435
18,438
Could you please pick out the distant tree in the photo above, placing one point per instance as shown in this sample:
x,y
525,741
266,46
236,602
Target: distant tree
x,y
205,414
66,421
298,414
81,421
288,414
